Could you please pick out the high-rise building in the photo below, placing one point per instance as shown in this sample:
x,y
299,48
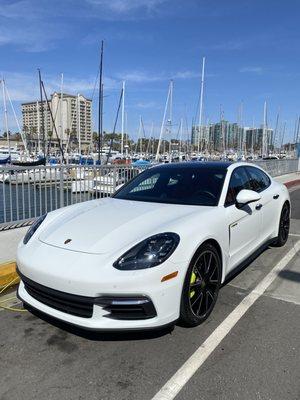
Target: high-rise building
x,y
254,139
227,136
220,136
72,117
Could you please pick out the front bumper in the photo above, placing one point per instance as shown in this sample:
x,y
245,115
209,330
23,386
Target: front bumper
x,y
101,318
117,307
93,277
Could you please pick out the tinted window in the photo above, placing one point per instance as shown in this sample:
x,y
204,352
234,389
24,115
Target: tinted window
x,y
180,185
239,180
259,181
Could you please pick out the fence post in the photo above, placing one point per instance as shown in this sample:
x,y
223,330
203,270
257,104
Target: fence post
x,y
114,179
61,186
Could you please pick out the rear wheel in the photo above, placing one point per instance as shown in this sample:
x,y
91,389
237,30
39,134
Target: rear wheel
x,y
201,286
284,226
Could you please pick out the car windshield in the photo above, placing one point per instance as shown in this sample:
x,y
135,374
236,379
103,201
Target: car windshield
x,y
180,185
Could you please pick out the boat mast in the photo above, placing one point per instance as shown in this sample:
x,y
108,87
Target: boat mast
x,y
39,126
241,127
297,132
126,137
141,138
78,124
61,109
53,122
100,105
163,123
123,118
17,121
264,136
276,130
171,117
5,118
180,135
149,144
252,138
222,129
201,105
42,111
282,138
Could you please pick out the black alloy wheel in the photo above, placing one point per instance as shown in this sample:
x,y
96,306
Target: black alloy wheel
x,y
284,226
201,286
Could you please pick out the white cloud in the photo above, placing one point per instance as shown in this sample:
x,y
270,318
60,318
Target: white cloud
x,y
252,70
125,7
186,75
236,44
29,25
24,87
146,105
139,77
146,77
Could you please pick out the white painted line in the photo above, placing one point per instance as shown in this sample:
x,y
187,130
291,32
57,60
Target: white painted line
x,y
188,369
294,234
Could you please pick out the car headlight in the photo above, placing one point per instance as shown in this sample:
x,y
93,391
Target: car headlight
x,y
34,228
149,253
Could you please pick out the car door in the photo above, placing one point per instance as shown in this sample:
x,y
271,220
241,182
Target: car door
x,y
244,224
261,183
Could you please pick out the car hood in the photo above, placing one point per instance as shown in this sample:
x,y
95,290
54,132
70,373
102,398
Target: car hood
x,y
111,225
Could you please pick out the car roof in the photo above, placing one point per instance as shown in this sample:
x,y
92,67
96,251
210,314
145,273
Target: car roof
x,y
196,165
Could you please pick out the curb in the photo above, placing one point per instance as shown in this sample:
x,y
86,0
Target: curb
x,y
291,184
8,274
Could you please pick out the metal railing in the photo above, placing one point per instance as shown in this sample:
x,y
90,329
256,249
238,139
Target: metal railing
x,y
278,167
28,192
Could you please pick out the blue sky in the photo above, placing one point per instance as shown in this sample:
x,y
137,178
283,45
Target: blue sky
x,y
251,49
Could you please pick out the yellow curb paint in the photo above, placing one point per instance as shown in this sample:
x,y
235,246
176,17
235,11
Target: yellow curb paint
x,y
8,273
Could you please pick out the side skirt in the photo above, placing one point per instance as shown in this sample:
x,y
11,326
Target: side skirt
x,y
244,264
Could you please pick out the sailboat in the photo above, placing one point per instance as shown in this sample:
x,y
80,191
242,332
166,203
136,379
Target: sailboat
x,y
35,163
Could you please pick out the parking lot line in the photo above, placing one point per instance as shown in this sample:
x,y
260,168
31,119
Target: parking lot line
x,y
188,369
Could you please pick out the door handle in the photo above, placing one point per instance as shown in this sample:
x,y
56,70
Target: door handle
x,y
275,197
258,206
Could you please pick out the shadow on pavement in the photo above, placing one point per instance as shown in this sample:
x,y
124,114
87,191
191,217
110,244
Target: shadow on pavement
x,y
103,335
241,267
290,275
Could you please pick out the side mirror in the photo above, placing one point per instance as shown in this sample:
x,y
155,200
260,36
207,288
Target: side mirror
x,y
246,196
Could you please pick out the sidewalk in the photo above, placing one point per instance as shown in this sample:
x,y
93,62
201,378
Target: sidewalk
x,y
289,180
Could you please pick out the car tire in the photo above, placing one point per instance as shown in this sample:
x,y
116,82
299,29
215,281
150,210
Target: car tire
x,y
201,286
284,226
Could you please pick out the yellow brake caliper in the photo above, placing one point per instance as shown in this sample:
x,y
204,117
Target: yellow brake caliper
x,y
193,280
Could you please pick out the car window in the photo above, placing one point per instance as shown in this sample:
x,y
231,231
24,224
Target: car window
x,y
259,181
176,185
239,180
146,184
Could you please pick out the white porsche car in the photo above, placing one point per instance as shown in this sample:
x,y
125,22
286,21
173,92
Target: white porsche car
x,y
157,251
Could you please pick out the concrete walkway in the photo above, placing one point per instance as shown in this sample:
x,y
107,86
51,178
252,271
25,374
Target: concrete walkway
x,y
9,241
289,179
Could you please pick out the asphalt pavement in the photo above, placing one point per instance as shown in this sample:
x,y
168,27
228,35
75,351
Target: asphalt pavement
x,y
258,359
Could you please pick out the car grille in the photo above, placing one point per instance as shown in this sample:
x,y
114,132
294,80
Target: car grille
x,y
118,307
80,306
